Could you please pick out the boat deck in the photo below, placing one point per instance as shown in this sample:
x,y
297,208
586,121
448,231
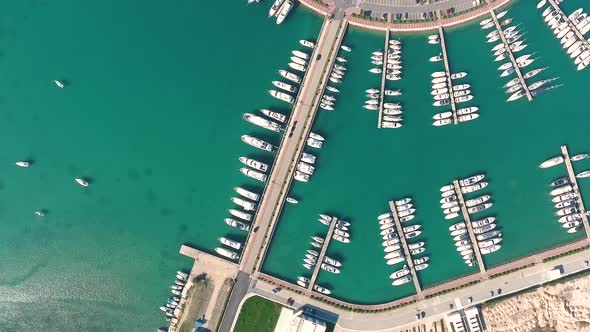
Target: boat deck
x,y
404,243
574,182
511,56
383,74
467,219
322,254
571,24
443,47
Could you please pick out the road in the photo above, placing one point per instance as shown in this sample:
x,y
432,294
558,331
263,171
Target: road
x,y
238,292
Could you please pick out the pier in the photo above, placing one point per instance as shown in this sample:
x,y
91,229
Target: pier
x,y
322,254
293,143
467,219
574,183
383,74
511,56
402,238
443,47
570,23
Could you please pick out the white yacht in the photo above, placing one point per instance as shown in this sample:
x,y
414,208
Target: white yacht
x,y
246,205
254,174
307,43
262,122
284,86
246,193
285,9
297,66
258,143
237,224
345,48
82,182
230,243
375,70
59,84
308,158
396,260
314,143
474,187
274,115
300,176
281,96
436,58
583,174
552,162
275,7
305,168
290,76
443,122
467,110
23,164
240,214
298,60
227,253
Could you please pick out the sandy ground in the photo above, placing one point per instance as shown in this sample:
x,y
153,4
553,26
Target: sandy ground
x,y
562,307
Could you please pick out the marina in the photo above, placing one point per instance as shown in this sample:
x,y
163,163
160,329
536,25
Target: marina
x,y
322,255
576,189
445,57
508,48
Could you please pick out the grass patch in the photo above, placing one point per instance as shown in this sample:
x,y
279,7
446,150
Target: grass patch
x,y
258,315
197,297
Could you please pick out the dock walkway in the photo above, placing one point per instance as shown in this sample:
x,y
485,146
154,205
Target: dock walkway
x,y
472,237
322,254
571,24
443,47
383,74
293,143
511,56
409,259
574,183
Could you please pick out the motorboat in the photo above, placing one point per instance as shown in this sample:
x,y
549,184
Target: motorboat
x,y
564,197
388,124
375,70
237,224
447,187
490,249
290,76
284,86
391,118
329,268
394,254
474,187
346,48
583,174
297,66
371,107
444,96
570,217
439,103
254,174
59,84
483,222
227,253
385,215
246,205
483,229
437,86
321,290
439,80
421,260
439,74
388,230
449,199
467,110
341,59
411,228
406,212
402,280
566,211
396,260
413,234
400,273
332,89
340,238
451,216
385,221
23,164
579,157
282,96
390,242
255,164
406,218
456,226
552,162
471,180
230,243
240,214
479,208
274,9
564,204
448,193
488,235
486,21
300,54
559,182
306,43
301,177
82,182
284,11
314,143
390,111
462,243
392,105
305,168
439,91
453,209
308,158
326,107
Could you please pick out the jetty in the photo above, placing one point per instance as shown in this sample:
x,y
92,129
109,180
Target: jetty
x,y
511,56
443,47
322,254
383,74
570,23
402,238
574,183
467,219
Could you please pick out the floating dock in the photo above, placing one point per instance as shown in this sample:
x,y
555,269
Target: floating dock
x,y
574,183
322,254
511,56
467,219
571,24
443,47
383,74
402,238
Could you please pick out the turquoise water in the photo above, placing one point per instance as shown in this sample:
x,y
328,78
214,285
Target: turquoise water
x,y
152,116
361,168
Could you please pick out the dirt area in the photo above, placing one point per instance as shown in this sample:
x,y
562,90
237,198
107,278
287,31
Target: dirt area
x,y
562,307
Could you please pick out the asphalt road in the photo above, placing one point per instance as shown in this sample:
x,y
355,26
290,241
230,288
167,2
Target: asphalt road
x,y
237,294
